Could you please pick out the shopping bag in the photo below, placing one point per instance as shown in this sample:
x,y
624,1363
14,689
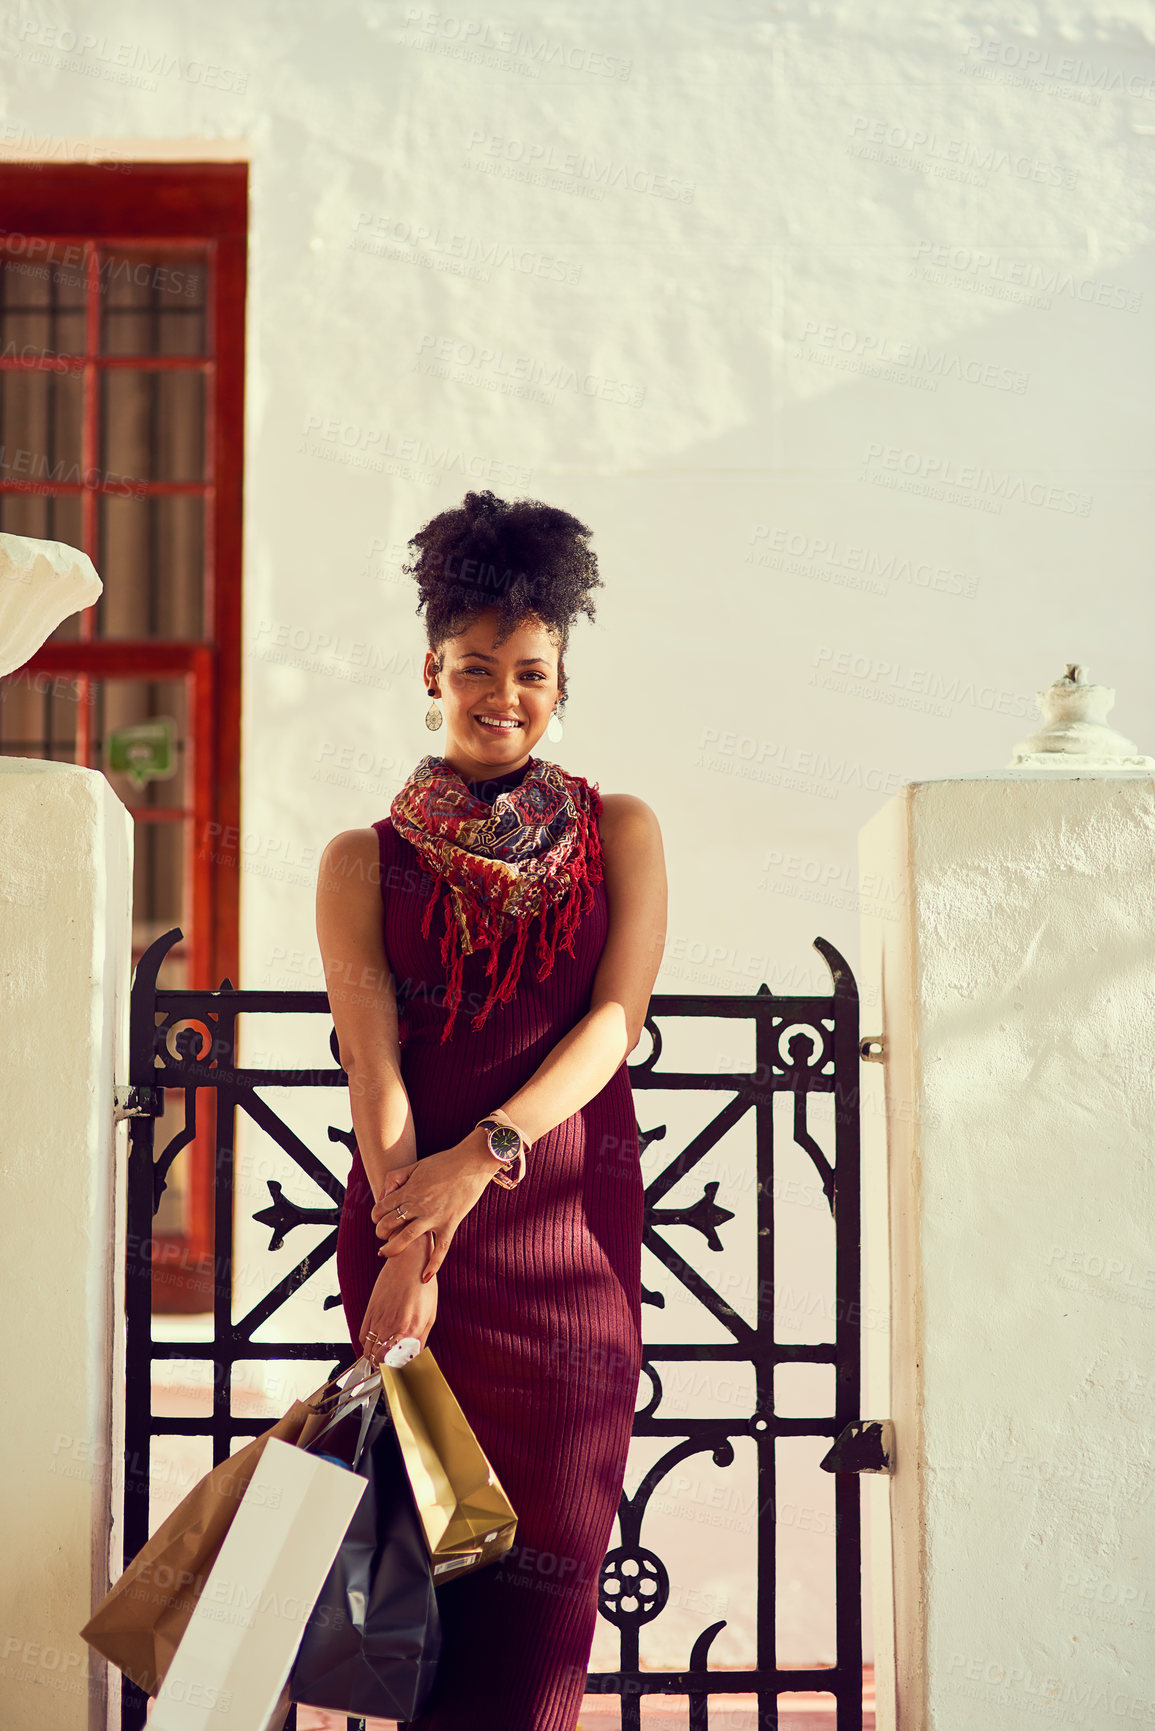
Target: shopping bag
x,y
468,1519
234,1657
139,1622
373,1641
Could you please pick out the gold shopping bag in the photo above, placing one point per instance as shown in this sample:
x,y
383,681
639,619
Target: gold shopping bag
x,y
467,1517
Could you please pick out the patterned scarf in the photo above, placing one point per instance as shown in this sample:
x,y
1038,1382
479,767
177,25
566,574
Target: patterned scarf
x,y
536,849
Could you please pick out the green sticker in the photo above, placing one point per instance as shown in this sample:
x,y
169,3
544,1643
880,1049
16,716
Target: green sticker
x,y
146,751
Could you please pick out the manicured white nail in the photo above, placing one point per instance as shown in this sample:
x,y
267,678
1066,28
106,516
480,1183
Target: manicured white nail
x,y
406,1348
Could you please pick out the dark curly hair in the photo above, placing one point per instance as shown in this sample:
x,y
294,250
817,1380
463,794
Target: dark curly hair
x,y
519,556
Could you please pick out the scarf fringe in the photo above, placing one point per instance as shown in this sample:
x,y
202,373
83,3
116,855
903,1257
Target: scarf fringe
x,y
586,871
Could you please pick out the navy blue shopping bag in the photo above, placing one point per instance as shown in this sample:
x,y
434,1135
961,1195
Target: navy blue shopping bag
x,y
372,1643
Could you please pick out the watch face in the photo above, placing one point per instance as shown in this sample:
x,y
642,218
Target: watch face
x,y
504,1142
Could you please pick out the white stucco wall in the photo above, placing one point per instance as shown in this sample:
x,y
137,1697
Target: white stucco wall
x,y
65,878
691,274
1019,1021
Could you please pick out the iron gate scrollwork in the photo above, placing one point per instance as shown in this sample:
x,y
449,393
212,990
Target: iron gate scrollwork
x,y
803,1045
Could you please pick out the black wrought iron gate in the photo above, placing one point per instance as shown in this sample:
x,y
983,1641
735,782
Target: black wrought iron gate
x,y
802,1046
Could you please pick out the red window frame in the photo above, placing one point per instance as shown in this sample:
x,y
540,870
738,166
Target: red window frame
x,y
169,206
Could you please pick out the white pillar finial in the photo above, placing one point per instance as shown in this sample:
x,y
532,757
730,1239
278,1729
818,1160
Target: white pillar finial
x,y
1075,737
41,583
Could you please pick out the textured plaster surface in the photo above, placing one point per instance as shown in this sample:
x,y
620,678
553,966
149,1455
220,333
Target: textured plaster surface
x,y
1023,1274
65,872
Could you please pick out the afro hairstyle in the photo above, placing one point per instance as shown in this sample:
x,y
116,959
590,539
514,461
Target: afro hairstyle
x,y
520,557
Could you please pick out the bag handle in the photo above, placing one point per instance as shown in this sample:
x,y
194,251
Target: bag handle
x,y
365,1394
373,1374
335,1390
368,1409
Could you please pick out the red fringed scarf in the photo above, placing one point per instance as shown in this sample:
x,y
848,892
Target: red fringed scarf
x,y
536,849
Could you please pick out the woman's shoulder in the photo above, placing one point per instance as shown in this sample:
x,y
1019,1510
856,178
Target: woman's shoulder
x,y
352,857
618,808
376,856
626,821
633,858
351,844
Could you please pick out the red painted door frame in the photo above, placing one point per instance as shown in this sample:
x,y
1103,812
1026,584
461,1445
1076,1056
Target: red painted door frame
x,y
52,212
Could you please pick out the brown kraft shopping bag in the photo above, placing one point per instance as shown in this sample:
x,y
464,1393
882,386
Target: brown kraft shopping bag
x,y
139,1623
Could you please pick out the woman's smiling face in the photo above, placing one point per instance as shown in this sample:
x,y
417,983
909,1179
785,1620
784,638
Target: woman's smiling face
x,y
496,698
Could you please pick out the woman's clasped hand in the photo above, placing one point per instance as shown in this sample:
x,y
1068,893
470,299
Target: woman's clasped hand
x,y
433,1196
401,1307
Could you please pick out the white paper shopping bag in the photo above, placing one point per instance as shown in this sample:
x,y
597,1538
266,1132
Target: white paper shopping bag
x,y
234,1658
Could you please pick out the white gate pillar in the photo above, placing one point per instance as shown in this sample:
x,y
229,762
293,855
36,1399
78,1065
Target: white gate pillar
x,y
1009,1146
65,948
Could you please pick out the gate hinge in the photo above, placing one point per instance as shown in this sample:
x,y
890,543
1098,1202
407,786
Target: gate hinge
x,y
871,1049
864,1446
134,1102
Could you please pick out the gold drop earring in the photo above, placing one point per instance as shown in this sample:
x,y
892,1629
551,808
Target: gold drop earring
x,y
432,714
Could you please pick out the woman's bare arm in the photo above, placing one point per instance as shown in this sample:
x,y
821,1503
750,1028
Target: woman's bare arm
x,y
364,1004
583,1061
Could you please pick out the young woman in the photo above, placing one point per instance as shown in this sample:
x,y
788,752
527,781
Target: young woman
x,y
489,951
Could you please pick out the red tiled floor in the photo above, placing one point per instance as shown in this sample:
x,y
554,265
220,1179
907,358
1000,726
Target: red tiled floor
x,y
797,1712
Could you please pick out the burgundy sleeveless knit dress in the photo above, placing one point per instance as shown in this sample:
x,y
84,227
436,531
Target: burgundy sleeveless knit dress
x,y
538,1327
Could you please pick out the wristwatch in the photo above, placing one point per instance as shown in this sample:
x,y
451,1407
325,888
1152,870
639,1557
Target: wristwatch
x,y
508,1147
